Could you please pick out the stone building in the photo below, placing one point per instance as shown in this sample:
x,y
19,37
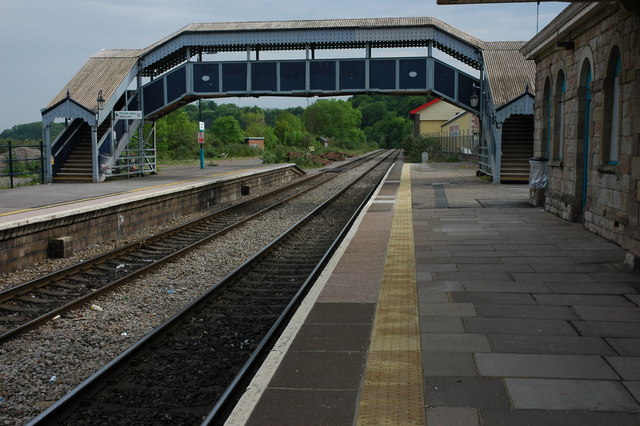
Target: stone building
x,y
587,117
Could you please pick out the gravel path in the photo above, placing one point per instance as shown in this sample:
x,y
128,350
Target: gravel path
x,y
42,365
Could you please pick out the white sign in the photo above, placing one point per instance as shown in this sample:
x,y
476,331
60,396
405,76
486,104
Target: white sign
x,y
202,126
128,115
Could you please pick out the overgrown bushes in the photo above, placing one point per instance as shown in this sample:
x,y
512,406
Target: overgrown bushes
x,y
414,148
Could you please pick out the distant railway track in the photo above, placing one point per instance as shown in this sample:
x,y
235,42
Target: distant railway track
x,y
29,304
191,369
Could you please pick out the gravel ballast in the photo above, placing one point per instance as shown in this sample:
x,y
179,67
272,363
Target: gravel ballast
x,y
42,365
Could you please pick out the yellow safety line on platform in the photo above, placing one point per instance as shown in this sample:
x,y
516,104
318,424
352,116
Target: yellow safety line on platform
x,y
392,392
123,192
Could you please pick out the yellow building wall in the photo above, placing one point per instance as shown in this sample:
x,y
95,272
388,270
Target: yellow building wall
x,y
431,126
434,116
465,124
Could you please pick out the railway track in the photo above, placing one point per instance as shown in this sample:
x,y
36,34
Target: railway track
x,y
191,369
27,305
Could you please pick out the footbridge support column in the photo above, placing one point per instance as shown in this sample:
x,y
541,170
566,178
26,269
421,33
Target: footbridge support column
x,y
94,153
46,154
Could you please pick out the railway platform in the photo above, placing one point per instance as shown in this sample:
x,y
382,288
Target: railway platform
x,y
453,302
32,201
73,216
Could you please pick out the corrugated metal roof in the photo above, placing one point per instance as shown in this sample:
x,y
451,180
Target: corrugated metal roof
x,y
319,24
104,71
508,71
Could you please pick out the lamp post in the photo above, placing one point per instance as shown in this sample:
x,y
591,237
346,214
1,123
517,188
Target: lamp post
x,y
94,138
100,100
473,99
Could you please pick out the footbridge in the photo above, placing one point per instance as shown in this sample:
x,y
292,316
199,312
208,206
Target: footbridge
x,y
107,102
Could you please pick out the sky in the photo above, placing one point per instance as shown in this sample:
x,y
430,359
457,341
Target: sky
x,y
43,43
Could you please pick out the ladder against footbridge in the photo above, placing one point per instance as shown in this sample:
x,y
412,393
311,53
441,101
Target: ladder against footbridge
x,y
117,91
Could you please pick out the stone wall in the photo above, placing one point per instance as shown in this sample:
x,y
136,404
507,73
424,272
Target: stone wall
x,y
23,246
611,208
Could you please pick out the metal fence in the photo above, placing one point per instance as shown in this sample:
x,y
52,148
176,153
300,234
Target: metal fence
x,y
465,142
21,163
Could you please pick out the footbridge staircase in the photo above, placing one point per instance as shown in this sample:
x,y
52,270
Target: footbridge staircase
x,y
112,104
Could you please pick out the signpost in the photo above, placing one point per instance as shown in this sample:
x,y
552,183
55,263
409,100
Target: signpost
x,y
201,142
128,115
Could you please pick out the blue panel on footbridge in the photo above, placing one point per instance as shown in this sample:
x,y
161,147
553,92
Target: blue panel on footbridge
x,y
330,77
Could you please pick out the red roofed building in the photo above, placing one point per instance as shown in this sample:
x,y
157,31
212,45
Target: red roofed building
x,y
429,118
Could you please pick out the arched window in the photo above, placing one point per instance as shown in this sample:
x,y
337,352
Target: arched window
x,y
613,108
546,119
558,117
583,164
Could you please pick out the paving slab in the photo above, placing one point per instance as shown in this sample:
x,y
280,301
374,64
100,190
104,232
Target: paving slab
x,y
454,342
332,337
607,328
452,416
627,367
525,311
299,369
544,365
535,260
582,299
564,394
440,324
470,275
556,418
608,313
448,309
482,268
449,364
566,267
426,296
591,288
562,345
279,407
475,392
493,297
505,286
625,346
553,277
634,388
519,326
341,313
441,285
619,277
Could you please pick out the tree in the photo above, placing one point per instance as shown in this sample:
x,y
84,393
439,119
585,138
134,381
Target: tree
x,y
337,120
254,125
227,130
390,132
373,112
176,136
289,129
30,131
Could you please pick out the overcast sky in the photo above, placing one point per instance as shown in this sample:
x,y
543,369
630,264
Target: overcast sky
x,y
43,43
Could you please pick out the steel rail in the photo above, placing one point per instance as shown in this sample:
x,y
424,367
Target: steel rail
x,y
223,406
93,384
38,283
